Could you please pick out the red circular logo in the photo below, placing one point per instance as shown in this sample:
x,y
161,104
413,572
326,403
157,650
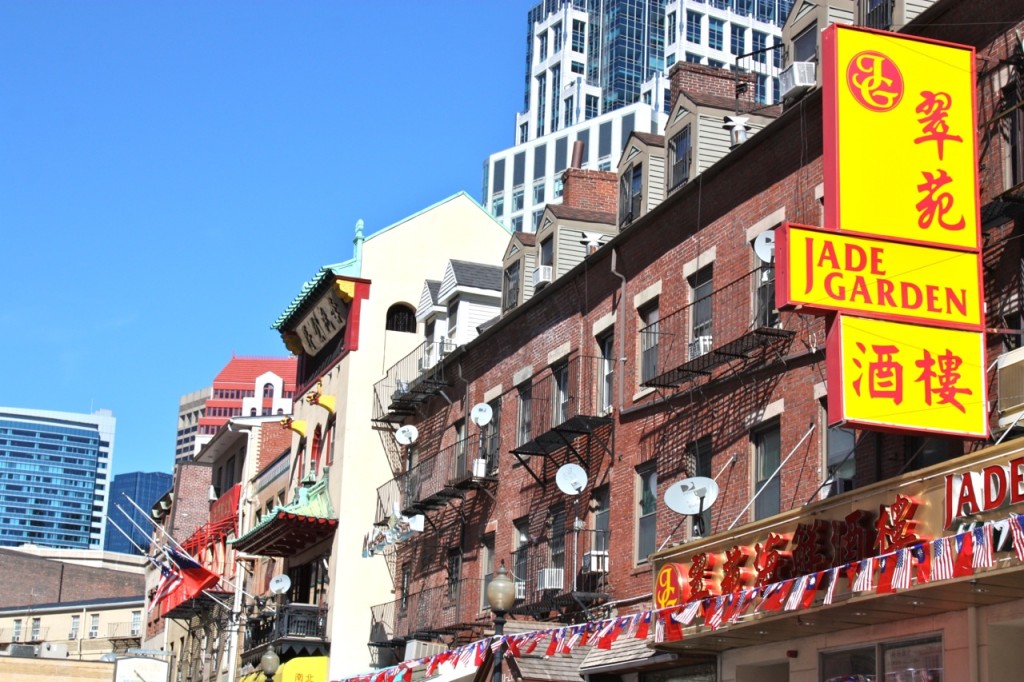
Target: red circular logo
x,y
874,81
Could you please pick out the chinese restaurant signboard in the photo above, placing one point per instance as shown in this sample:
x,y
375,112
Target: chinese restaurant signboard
x,y
897,267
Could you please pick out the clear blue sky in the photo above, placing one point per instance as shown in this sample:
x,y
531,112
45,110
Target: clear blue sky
x,y
172,172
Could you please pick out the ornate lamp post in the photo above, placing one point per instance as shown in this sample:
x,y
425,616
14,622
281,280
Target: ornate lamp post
x,y
269,663
501,594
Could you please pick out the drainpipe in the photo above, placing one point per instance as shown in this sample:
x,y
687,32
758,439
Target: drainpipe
x,y
620,322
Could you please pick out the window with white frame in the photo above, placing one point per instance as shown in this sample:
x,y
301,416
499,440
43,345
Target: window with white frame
x,y
560,393
767,455
76,625
486,567
94,625
606,371
647,504
649,336
136,623
680,153
36,627
524,430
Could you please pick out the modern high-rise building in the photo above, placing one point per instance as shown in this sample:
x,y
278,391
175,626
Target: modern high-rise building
x,y
144,489
596,71
54,477
246,387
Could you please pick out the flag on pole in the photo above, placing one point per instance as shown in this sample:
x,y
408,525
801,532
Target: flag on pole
x,y
1017,531
194,578
942,559
983,552
169,581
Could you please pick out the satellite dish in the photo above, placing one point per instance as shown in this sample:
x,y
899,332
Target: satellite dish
x,y
691,496
764,246
571,479
280,584
407,434
481,414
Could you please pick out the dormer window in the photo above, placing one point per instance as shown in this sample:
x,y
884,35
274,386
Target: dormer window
x,y
510,287
805,45
547,253
630,194
679,151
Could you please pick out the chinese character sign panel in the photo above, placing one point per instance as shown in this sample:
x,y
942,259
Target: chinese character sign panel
x,y
899,137
826,271
901,376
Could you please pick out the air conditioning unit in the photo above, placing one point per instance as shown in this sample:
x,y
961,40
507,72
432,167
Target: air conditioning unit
x,y
839,486
423,364
479,467
595,561
1010,380
541,276
16,638
700,346
520,589
549,579
72,635
796,78
415,648
93,634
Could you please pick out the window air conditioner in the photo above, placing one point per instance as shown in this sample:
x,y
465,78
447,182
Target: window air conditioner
x,y
520,589
549,579
423,364
72,635
700,346
419,649
796,78
839,486
16,638
1010,380
541,276
595,561
479,468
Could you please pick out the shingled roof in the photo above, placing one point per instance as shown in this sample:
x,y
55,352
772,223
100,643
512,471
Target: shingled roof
x,y
477,275
582,214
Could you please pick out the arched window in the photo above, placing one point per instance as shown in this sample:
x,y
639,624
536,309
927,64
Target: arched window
x,y
314,460
401,318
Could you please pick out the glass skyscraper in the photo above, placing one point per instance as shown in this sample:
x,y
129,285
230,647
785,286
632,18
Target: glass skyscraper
x,y
54,477
144,489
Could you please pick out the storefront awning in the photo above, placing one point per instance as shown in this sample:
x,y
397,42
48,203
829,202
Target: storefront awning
x,y
305,668
298,525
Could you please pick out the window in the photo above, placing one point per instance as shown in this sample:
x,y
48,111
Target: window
x,y
412,474
560,394
744,7
459,469
760,42
915,659
542,49
453,317
517,199
716,32
767,446
403,603
16,636
486,567
840,443
524,132
647,481
76,624
538,192
498,205
492,438
923,451
606,372
592,110
520,554
805,45
547,251
698,461
700,316
671,31
510,293
524,431
136,623
542,93
578,36
577,67
736,39
693,26
454,573
94,626
761,89
766,315
692,58
556,90
601,518
314,451
401,318
649,342
556,32
679,149
556,538
715,64
517,223
568,112
536,218
36,626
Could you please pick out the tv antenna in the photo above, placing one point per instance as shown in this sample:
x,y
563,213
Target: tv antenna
x,y
690,497
280,584
481,414
571,479
407,435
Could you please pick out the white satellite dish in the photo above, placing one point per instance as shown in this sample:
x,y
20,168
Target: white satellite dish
x,y
571,479
280,584
407,435
691,496
481,414
764,246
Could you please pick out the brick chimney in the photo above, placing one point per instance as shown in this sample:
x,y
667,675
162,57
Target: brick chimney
x,y
590,189
708,80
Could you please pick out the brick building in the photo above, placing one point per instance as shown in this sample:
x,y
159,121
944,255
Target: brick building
x,y
662,356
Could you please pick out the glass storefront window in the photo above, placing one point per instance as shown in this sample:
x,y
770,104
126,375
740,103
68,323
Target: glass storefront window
x,y
917,660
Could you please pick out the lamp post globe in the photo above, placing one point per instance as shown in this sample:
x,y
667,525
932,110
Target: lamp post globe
x,y
269,663
501,594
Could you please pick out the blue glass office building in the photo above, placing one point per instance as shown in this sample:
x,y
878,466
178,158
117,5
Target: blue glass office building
x,y
144,489
54,477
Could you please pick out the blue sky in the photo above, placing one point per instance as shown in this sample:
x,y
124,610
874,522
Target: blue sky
x,y
172,172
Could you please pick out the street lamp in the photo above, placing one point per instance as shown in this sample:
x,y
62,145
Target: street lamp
x,y
501,593
269,663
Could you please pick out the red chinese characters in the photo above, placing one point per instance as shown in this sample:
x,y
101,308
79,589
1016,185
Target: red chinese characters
x,y
702,583
937,203
896,525
938,377
736,574
772,562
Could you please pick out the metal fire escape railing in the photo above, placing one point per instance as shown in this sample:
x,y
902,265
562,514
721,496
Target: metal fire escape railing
x,y
429,612
732,323
289,621
568,569
438,478
410,382
566,401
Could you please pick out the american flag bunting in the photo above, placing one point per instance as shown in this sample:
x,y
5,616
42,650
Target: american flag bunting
x,y
983,553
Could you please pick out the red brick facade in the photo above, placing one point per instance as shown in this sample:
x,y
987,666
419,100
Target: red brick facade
x,y
31,580
593,190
